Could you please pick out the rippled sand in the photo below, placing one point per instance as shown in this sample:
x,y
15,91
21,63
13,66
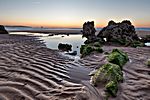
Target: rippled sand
x,y
30,71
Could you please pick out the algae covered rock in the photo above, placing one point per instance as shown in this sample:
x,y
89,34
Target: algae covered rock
x,y
112,88
88,48
118,57
108,72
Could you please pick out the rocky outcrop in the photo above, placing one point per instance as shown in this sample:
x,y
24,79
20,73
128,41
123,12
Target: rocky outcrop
x,y
122,33
2,30
89,32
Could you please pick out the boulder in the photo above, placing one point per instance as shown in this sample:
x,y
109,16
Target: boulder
x,y
2,30
118,57
88,48
64,47
122,33
106,73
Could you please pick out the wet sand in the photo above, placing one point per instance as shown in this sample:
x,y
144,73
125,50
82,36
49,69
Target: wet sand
x,y
54,31
30,71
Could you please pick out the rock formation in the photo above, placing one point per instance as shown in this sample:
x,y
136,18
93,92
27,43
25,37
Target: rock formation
x,y
64,47
122,33
2,30
89,31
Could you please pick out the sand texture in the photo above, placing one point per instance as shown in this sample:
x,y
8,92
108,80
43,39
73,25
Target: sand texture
x,y
30,71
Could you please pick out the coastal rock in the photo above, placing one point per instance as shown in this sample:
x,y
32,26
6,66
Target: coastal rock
x,y
122,33
109,75
89,31
88,48
2,30
118,57
64,47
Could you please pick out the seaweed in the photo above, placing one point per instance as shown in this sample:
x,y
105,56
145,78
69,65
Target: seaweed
x,y
108,72
118,57
112,88
88,48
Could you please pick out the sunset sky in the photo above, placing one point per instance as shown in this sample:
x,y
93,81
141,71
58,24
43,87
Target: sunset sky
x,y
73,13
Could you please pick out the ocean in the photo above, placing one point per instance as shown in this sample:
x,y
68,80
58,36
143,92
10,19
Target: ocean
x,y
12,28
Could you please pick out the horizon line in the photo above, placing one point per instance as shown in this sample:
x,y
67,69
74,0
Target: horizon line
x,y
61,27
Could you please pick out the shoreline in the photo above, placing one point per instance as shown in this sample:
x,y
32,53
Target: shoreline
x,y
72,31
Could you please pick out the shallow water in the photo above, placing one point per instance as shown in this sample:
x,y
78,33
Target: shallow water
x,y
52,42
147,44
75,40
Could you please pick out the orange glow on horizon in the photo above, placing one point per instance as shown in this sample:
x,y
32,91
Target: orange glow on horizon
x,y
64,24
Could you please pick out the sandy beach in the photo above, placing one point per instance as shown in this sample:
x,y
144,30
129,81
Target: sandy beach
x,y
31,71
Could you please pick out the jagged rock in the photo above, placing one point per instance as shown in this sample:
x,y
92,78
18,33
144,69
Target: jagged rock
x,y
89,32
122,33
64,47
2,30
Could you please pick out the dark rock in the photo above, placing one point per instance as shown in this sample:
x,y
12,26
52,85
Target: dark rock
x,y
122,33
65,47
89,32
2,30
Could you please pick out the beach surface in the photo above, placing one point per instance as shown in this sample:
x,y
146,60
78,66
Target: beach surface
x,y
31,71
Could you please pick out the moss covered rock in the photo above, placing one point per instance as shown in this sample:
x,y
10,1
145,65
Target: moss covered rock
x,y
118,57
112,88
108,72
88,48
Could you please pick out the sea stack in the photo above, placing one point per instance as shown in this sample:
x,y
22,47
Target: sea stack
x,y
89,32
2,30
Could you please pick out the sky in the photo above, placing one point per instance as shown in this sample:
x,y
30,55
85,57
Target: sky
x,y
73,13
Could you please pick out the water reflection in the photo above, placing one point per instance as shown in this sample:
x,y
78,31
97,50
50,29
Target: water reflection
x,y
75,40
